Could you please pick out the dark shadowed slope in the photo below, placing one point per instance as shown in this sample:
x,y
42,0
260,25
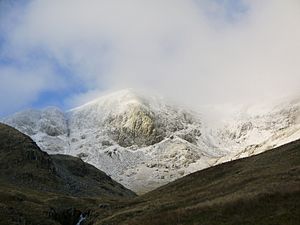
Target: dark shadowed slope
x,y
36,188
263,189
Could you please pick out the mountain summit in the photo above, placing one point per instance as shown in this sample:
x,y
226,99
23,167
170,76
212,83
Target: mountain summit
x,y
131,119
144,141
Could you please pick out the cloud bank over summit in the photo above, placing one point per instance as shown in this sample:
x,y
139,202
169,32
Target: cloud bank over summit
x,y
199,52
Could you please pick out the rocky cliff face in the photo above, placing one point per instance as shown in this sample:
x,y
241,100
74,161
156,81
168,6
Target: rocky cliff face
x,y
136,126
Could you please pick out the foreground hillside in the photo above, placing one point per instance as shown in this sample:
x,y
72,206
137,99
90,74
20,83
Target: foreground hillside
x,y
262,189
36,188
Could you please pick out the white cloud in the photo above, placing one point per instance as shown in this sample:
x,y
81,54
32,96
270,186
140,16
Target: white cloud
x,y
181,49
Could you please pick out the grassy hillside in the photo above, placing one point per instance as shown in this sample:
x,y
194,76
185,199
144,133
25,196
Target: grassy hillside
x,y
39,189
263,189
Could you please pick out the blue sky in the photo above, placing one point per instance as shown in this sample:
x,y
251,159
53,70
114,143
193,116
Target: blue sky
x,y
45,96
54,54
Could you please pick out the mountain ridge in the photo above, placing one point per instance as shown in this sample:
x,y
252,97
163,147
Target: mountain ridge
x,y
144,142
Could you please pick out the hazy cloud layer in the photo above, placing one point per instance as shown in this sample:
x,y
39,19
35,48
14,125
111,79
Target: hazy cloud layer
x,y
198,52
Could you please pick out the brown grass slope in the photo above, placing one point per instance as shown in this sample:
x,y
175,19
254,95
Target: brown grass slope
x,y
38,189
262,189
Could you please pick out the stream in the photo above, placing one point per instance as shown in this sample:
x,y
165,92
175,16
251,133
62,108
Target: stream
x,y
81,219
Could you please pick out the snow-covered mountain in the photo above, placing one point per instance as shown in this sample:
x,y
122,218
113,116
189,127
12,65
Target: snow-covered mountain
x,y
258,128
144,142
48,128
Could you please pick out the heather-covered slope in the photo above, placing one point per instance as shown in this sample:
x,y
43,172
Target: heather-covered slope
x,y
262,189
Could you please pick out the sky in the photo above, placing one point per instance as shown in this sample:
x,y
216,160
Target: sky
x,y
67,52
